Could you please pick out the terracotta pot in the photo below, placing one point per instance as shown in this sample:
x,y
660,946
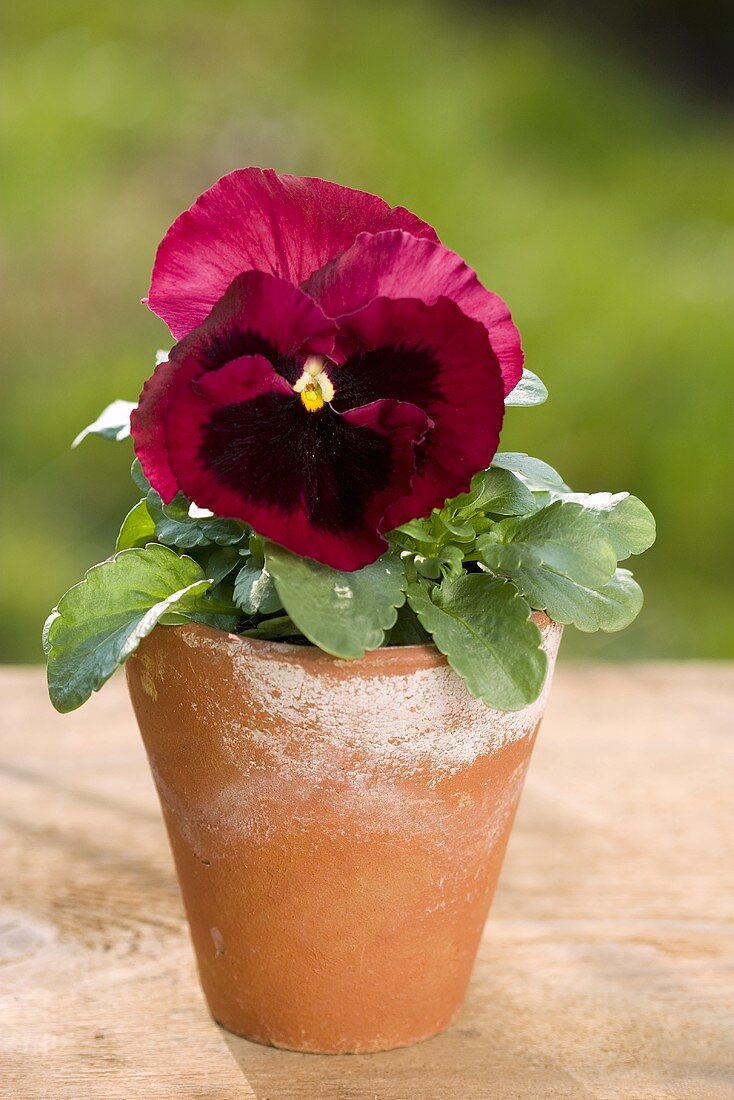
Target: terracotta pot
x,y
338,828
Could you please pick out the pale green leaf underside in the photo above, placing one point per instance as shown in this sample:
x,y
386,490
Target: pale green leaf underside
x,y
100,621
625,520
497,491
112,423
612,607
529,391
483,628
562,538
255,592
345,614
537,475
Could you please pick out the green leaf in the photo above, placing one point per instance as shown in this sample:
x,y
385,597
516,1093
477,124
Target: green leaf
x,y
100,621
450,529
625,520
345,614
112,423
496,490
529,391
451,561
137,529
536,474
219,614
561,539
272,629
139,478
175,527
428,567
612,607
254,591
419,530
483,627
220,561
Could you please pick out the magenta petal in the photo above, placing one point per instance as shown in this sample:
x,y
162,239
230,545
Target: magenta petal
x,y
435,357
318,483
258,315
399,265
262,314
257,220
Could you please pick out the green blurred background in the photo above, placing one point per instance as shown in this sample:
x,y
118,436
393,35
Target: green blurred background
x,y
591,190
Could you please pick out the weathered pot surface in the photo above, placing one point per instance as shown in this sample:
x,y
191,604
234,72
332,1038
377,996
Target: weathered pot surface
x,y
338,828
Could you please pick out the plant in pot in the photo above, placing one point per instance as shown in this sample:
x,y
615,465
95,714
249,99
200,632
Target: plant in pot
x,y
339,604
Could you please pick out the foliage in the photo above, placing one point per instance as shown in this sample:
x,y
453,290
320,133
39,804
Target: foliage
x,y
472,573
592,195
343,613
100,621
482,625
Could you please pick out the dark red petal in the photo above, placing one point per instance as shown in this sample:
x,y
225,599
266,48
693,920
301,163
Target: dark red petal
x,y
258,315
317,483
436,358
398,265
261,314
254,219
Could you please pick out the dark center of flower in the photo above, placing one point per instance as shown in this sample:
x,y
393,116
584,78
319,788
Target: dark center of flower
x,y
314,386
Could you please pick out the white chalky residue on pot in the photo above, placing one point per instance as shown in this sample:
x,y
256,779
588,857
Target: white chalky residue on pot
x,y
324,814
399,722
363,737
239,809
149,671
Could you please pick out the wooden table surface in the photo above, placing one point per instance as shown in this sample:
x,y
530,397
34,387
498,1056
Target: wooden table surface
x,y
606,970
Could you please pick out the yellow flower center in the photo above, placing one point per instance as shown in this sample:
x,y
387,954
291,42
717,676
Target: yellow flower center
x,y
314,385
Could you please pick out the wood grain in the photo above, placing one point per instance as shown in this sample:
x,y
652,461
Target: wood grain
x,y
606,970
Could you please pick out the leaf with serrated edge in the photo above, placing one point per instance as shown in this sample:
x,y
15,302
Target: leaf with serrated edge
x,y
562,538
344,614
483,627
176,527
528,391
625,520
536,474
100,621
112,423
610,608
496,490
137,529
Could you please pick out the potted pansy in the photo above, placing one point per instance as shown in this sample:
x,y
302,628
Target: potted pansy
x,y
339,603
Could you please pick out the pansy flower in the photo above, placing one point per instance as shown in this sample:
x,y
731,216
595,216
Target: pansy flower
x,y
337,372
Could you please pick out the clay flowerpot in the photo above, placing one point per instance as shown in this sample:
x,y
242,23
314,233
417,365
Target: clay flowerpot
x,y
338,828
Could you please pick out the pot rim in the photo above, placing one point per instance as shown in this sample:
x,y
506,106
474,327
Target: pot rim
x,y
429,651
